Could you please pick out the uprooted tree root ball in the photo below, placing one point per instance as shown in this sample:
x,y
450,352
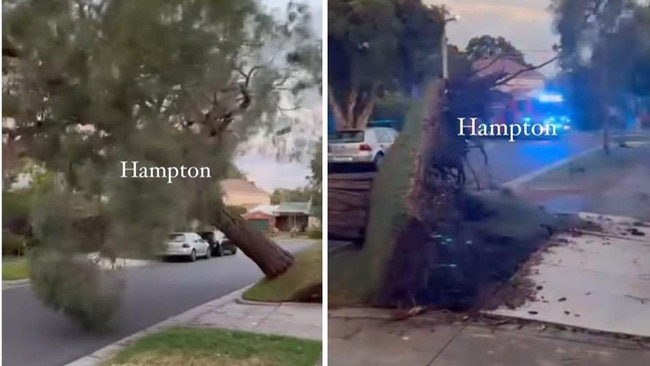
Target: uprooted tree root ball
x,y
76,287
453,263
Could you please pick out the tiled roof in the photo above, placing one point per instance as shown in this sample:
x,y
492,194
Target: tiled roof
x,y
267,209
241,186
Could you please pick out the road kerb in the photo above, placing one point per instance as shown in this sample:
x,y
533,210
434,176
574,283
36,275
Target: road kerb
x,y
242,301
523,179
15,283
109,351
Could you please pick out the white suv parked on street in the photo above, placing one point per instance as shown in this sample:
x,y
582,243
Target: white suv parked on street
x,y
186,245
369,145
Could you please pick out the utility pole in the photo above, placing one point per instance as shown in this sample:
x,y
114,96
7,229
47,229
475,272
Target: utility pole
x,y
443,46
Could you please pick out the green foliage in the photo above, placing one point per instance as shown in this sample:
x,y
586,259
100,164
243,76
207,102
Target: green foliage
x,y
16,208
76,287
487,47
602,78
13,244
358,54
399,57
315,233
165,84
392,106
290,195
316,181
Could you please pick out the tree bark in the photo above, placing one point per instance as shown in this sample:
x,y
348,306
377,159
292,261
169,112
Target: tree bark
x,y
350,106
269,257
368,107
339,117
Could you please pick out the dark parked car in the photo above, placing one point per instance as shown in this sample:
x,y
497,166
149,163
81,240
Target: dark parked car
x,y
219,244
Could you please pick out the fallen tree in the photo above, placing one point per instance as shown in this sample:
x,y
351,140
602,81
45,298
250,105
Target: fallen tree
x,y
91,85
429,241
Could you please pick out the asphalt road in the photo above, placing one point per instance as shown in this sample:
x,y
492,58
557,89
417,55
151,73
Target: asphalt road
x,y
510,160
37,336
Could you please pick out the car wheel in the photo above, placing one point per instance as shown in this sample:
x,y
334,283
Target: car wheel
x,y
233,251
378,160
193,256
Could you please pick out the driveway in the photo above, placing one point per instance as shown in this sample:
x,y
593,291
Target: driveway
x,y
36,336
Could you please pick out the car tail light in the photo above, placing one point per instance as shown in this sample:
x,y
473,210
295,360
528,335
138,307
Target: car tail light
x,y
186,245
365,147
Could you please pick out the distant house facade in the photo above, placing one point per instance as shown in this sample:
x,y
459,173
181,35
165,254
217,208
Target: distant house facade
x,y
293,215
244,193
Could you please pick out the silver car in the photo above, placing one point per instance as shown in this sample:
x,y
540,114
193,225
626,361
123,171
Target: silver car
x,y
367,146
186,245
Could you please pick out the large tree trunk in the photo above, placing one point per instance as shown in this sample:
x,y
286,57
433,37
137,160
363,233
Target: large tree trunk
x,y
339,117
358,108
269,257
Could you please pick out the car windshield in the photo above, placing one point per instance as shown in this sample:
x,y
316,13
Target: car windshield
x,y
206,235
347,136
176,237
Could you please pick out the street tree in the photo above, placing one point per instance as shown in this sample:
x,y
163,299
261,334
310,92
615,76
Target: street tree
x,y
166,84
361,60
489,47
316,180
593,34
379,49
280,195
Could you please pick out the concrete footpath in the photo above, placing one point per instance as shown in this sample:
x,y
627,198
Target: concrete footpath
x,y
365,337
230,312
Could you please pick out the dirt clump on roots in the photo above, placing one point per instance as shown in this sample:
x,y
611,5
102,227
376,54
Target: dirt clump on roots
x,y
455,264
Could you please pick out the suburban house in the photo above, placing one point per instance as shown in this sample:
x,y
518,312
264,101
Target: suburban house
x,y
262,217
244,193
291,215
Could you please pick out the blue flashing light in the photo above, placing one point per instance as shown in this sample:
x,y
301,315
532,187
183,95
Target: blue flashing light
x,y
550,98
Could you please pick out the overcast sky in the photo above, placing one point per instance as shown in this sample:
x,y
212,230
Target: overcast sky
x,y
526,23
263,168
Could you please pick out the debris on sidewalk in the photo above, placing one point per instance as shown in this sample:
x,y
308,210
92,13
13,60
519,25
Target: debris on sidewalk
x,y
597,281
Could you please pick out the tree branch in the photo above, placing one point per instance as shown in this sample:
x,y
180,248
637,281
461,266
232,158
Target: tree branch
x,y
476,72
530,68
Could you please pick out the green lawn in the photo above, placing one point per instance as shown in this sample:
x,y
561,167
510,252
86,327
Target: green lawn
x,y
305,274
216,347
15,269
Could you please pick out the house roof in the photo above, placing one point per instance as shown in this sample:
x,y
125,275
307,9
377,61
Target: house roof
x,y
506,66
294,208
241,186
266,209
